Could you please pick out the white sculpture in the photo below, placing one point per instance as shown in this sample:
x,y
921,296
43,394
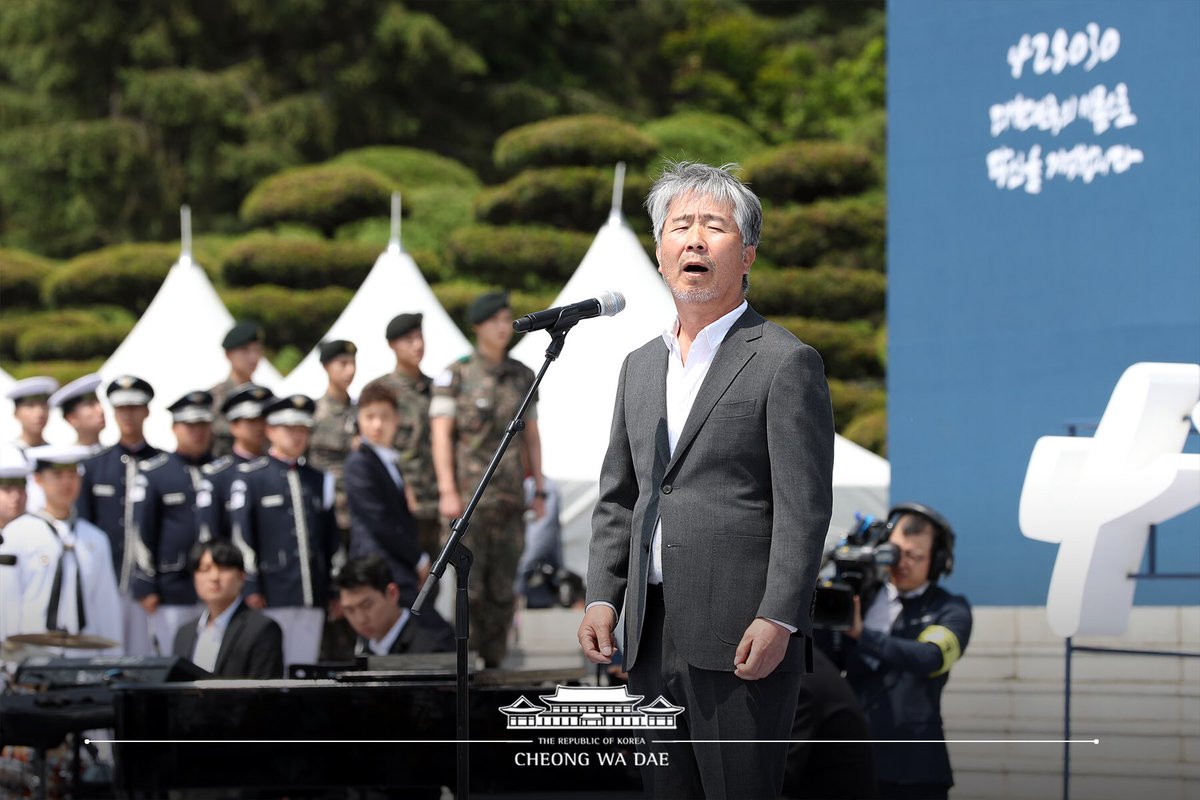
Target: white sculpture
x,y
1097,497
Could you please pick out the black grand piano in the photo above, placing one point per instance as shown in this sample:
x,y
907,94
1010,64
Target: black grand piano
x,y
373,728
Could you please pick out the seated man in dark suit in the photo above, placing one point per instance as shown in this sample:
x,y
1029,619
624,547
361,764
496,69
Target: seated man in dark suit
x,y
380,520
371,601
230,639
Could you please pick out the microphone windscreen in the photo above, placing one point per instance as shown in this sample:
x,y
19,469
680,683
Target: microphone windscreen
x,y
611,303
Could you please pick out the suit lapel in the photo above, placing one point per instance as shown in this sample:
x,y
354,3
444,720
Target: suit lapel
x,y
236,623
733,354
656,392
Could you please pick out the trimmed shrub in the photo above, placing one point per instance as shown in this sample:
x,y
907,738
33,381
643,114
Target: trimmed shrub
x,y
698,136
456,295
519,256
870,431
854,398
125,275
825,292
71,342
583,140
289,317
578,198
297,263
12,325
528,302
804,171
848,348
21,276
323,196
62,371
411,168
850,232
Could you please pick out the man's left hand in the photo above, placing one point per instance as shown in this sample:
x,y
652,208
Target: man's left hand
x,y
763,646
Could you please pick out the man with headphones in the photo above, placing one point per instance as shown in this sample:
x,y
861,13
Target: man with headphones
x,y
900,653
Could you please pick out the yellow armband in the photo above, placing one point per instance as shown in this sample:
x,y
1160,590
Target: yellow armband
x,y
947,642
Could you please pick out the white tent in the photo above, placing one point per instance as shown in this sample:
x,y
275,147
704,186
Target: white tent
x,y
393,286
176,345
577,395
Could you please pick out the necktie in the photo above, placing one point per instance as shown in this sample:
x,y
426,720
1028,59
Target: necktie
x,y
56,587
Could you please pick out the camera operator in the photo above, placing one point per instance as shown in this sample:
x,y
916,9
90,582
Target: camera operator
x,y
901,652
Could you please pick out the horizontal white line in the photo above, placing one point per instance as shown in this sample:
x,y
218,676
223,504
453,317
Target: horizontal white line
x,y
651,741
876,741
305,741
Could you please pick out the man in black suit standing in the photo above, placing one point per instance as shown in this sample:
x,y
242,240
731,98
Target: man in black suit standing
x,y
715,498
371,602
230,639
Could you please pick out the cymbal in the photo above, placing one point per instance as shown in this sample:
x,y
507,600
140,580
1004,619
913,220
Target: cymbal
x,y
80,641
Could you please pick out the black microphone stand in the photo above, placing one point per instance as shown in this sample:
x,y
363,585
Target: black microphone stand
x,y
457,553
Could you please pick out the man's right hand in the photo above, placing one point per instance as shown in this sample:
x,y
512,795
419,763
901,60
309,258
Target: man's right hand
x,y
450,505
149,603
596,634
256,601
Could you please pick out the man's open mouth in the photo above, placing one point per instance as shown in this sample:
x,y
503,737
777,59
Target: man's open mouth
x,y
695,268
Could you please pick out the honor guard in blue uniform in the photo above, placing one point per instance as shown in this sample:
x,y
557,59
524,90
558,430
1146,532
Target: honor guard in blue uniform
x,y
282,510
900,653
172,511
109,479
244,410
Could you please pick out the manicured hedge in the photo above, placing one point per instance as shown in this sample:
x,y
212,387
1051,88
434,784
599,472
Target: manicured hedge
x,y
297,263
699,136
848,348
854,398
323,196
288,316
456,295
848,232
21,276
582,140
804,171
409,168
869,430
71,342
125,275
825,292
518,256
578,198
62,371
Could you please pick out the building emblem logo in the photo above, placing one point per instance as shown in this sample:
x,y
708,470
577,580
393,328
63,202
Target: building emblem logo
x,y
591,707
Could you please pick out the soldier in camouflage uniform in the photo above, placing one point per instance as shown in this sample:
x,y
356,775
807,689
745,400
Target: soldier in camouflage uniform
x,y
473,402
244,349
413,390
334,435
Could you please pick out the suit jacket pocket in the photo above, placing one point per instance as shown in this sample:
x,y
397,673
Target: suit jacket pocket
x,y
739,578
736,408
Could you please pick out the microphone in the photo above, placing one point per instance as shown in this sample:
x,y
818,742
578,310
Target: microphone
x,y
606,305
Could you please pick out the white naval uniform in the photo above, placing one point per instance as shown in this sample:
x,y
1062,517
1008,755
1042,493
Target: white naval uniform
x,y
26,587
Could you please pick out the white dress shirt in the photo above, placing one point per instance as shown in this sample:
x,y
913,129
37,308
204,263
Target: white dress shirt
x,y
381,647
209,637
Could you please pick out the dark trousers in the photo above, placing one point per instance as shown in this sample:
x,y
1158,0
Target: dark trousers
x,y
731,740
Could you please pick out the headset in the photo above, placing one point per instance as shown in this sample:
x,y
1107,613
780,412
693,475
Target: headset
x,y
941,561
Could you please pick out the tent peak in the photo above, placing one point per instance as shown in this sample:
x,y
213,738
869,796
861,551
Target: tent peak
x,y
615,217
394,245
185,233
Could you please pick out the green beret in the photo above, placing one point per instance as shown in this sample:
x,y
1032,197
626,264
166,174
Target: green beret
x,y
485,306
241,334
402,324
338,347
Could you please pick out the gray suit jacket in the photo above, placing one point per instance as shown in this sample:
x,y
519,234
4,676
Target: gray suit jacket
x,y
745,500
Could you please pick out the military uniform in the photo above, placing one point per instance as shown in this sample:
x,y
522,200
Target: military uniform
x,y
483,397
899,677
335,425
416,453
222,439
106,500
284,525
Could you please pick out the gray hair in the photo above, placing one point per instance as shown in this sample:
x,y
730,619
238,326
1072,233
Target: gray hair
x,y
686,177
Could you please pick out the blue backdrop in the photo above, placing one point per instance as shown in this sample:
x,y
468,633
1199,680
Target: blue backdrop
x,y
1019,291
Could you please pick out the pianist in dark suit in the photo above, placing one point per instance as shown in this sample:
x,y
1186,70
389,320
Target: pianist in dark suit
x,y
230,639
371,601
380,520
